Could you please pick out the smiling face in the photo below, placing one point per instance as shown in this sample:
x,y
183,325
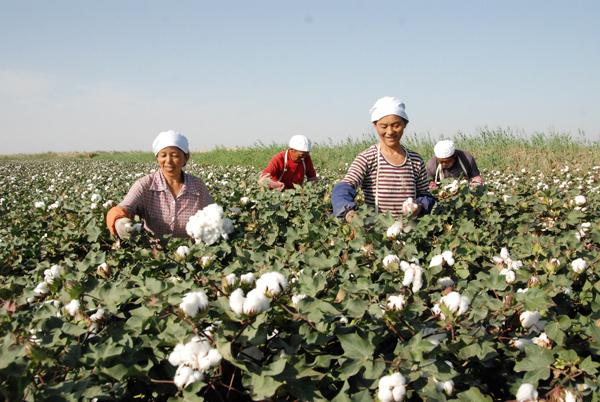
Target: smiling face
x,y
390,129
171,160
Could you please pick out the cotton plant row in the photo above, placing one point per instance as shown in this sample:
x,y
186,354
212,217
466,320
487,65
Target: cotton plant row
x,y
411,294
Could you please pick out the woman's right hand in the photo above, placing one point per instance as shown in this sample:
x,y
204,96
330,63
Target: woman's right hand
x,y
125,228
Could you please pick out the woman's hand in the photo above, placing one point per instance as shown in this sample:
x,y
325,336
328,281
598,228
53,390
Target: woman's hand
x,y
125,228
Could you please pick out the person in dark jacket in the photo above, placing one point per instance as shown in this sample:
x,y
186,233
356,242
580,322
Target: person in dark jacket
x,y
450,162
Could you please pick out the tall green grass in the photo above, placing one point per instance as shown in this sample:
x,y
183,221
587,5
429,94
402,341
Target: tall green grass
x,y
499,149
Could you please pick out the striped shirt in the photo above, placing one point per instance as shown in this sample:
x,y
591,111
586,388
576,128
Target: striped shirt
x,y
151,199
386,184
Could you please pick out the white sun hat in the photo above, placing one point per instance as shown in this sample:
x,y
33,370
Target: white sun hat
x,y
300,143
386,106
444,149
170,139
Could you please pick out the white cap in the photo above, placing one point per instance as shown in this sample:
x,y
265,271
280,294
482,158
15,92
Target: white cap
x,y
444,149
386,106
170,139
299,143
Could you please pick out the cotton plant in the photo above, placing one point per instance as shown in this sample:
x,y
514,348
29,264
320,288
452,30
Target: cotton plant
x,y
394,230
391,262
531,321
447,387
454,302
208,225
542,341
182,252
579,265
445,258
392,388
396,302
527,393
73,307
194,303
257,300
413,275
505,260
193,359
583,230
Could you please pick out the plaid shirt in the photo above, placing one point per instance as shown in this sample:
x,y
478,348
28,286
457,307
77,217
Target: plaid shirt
x,y
151,199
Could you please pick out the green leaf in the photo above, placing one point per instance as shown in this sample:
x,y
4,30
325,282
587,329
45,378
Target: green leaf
x,y
589,366
473,395
356,346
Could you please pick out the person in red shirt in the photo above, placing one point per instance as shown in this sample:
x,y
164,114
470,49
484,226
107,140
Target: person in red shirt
x,y
289,167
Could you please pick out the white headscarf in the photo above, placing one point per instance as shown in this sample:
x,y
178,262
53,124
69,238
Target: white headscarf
x,y
170,139
386,106
444,149
299,143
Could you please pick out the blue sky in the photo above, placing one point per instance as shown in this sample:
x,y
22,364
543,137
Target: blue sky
x,y
109,75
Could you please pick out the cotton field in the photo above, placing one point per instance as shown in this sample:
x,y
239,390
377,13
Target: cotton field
x,y
494,296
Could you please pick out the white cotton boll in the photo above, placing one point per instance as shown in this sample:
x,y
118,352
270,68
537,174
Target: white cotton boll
x,y
446,387
498,260
580,200
385,394
569,396
452,301
247,279
206,260
203,364
41,289
272,283
343,320
244,200
93,205
236,301
509,275
99,315
256,302
213,357
409,275
520,343
108,204
182,251
436,261
409,206
526,392
96,198
182,376
231,280
579,265
53,273
193,303
504,254
398,393
463,305
530,319
394,230
39,204
296,299
515,265
437,311
177,355
417,282
73,307
448,257
445,282
404,266
391,261
396,303
542,341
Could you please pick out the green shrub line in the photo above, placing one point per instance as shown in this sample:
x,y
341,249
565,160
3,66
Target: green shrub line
x,y
494,149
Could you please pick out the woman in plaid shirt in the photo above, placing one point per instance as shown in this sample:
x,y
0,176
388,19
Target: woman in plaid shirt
x,y
165,199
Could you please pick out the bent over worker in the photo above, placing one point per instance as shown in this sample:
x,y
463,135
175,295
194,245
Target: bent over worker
x,y
451,162
289,167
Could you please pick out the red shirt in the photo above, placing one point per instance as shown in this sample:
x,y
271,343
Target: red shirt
x,y
294,172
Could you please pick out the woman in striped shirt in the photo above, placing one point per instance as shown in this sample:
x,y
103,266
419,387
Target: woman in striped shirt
x,y
392,178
